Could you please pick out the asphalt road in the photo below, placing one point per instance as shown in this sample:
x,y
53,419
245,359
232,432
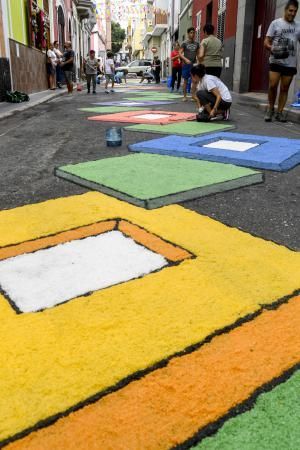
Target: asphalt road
x,y
32,143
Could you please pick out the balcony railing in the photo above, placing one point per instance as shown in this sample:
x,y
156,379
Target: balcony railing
x,y
85,8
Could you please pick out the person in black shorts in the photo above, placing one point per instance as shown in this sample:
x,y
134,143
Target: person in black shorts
x,y
189,54
67,65
281,40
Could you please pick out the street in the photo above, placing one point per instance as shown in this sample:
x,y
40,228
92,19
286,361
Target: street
x,y
34,142
131,325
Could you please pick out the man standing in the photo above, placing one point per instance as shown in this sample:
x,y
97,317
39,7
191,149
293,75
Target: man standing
x,y
189,53
67,65
281,40
156,64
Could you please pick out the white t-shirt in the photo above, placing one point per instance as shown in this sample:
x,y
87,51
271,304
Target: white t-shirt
x,y
210,82
51,55
108,63
285,36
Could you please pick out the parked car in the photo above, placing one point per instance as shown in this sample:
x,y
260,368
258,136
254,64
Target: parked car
x,y
138,66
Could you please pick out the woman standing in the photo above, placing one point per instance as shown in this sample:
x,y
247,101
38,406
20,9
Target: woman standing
x,y
59,74
51,67
176,67
211,50
91,65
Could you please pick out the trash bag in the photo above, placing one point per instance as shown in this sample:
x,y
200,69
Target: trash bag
x,y
16,97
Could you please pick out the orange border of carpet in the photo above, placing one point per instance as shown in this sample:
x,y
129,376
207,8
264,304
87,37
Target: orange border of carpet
x,y
169,405
129,117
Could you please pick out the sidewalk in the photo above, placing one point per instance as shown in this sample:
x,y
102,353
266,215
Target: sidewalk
x,y
259,100
8,109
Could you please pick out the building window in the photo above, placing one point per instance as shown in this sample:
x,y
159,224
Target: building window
x,y
221,19
209,11
61,26
198,25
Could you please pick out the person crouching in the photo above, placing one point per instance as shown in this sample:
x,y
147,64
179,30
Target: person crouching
x,y
213,96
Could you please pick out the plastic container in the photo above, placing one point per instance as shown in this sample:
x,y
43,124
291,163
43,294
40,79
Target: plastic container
x,y
114,137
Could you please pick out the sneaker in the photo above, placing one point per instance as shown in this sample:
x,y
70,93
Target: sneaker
x,y
94,92
112,90
88,92
203,116
106,91
280,117
185,99
269,115
226,114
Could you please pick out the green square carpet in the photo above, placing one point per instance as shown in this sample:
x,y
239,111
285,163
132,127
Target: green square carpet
x,y
182,128
152,181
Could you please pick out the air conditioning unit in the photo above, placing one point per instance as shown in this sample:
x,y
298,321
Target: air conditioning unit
x,y
190,12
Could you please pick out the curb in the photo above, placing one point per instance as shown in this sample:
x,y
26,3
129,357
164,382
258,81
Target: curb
x,y
293,116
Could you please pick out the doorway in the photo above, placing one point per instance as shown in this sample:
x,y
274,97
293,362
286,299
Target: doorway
x,y
61,27
259,72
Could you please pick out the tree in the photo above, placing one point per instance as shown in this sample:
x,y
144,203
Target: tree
x,y
117,37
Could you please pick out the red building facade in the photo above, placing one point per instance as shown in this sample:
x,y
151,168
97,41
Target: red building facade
x,y
223,15
62,21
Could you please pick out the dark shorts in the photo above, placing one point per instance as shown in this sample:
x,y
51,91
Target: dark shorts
x,y
109,77
283,70
51,70
68,76
186,71
216,71
206,97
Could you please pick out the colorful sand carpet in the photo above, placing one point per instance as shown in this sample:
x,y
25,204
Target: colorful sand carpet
x,y
150,363
261,152
145,116
152,181
191,128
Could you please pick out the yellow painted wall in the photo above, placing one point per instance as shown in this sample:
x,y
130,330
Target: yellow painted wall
x,y
17,12
17,20
137,38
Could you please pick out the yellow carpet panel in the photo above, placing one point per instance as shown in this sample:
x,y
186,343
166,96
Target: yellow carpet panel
x,y
54,359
